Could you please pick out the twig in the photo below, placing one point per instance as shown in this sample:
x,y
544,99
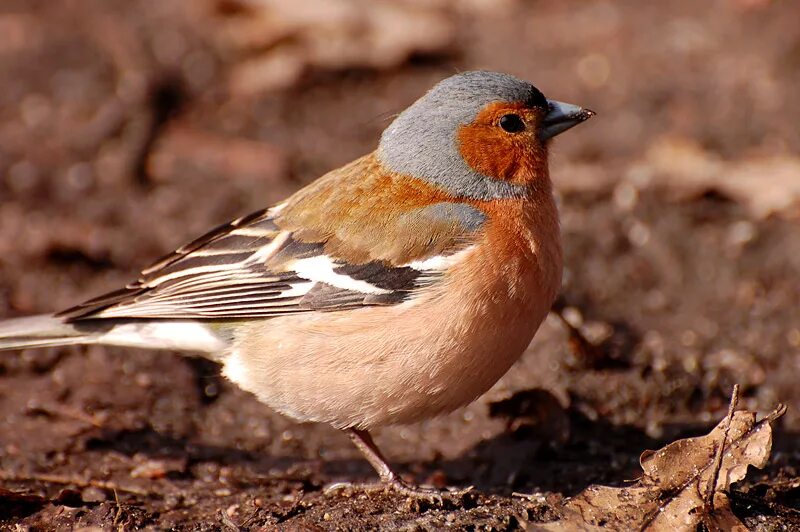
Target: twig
x,y
712,482
586,353
779,411
228,522
55,410
74,481
118,513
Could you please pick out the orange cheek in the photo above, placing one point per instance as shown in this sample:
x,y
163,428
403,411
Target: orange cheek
x,y
491,152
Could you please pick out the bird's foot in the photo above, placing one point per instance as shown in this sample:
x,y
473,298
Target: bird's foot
x,y
407,489
391,481
400,486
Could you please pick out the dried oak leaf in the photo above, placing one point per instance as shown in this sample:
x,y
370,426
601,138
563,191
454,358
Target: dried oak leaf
x,y
766,185
763,185
684,483
272,43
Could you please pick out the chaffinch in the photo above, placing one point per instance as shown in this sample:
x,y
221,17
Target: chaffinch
x,y
398,287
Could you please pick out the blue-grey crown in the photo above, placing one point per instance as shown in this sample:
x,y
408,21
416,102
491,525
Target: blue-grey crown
x,y
422,141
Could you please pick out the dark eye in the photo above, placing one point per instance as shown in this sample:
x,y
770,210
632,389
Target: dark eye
x,y
511,123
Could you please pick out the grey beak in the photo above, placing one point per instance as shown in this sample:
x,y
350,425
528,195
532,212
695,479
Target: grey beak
x,y
561,117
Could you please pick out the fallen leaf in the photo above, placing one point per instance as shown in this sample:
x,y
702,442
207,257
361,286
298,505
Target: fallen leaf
x,y
763,185
273,43
684,483
153,469
684,170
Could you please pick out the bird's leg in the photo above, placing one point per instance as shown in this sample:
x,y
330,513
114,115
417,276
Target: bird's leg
x,y
363,440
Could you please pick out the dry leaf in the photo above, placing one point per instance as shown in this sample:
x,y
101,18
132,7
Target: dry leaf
x,y
158,468
683,484
273,43
765,186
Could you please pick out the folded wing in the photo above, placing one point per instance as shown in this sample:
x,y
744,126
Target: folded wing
x,y
253,267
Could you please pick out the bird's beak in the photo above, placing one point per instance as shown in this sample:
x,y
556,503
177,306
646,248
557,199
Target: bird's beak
x,y
560,117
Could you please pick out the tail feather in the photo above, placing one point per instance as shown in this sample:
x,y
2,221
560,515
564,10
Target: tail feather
x,y
39,331
50,331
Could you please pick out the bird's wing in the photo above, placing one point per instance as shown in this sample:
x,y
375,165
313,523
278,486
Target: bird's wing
x,y
254,267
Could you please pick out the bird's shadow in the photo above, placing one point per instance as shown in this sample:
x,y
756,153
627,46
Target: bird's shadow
x,y
560,452
532,458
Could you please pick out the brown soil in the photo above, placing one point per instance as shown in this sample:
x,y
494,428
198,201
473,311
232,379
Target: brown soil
x,y
113,153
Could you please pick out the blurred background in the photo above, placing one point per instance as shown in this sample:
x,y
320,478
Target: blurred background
x,y
128,128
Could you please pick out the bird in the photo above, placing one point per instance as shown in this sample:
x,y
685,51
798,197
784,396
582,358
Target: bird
x,y
398,287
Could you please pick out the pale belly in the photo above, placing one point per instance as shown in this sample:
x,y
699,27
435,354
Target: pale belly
x,y
385,365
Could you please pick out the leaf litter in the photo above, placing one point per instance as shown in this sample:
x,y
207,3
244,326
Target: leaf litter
x,y
685,484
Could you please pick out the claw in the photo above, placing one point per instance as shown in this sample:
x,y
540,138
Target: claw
x,y
391,480
401,487
433,495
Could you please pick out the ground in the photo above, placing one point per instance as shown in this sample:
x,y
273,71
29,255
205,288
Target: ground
x,y
122,136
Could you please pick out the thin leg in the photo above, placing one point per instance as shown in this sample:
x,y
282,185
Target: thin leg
x,y
363,440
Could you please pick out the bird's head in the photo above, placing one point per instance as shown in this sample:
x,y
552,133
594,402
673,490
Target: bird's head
x,y
478,135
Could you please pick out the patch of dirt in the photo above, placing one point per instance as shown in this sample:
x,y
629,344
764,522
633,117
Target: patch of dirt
x,y
120,139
